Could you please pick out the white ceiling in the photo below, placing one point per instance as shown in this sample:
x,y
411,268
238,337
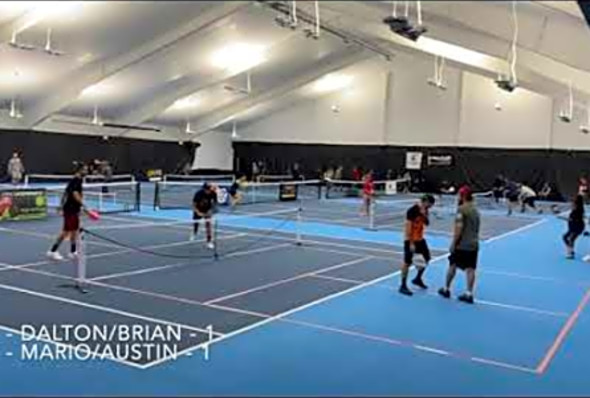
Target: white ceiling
x,y
134,60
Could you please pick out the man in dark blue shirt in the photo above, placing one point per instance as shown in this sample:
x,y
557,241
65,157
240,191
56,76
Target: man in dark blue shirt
x,y
204,203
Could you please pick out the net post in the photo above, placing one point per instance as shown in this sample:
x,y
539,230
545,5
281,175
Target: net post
x,y
208,343
137,195
299,240
372,214
157,194
81,262
214,226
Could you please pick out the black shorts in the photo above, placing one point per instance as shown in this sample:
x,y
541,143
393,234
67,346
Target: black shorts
x,y
71,222
421,247
530,201
498,193
464,259
512,197
198,217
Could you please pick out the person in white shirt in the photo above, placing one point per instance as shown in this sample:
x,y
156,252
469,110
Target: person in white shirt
x,y
527,197
16,169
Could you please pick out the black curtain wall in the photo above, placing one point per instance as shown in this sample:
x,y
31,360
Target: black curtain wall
x,y
476,166
55,153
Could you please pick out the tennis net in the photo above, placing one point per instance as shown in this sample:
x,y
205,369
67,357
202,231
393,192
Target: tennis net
x,y
115,197
50,179
179,195
140,247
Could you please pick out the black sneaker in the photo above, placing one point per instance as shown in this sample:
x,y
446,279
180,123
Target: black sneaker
x,y
420,283
466,298
444,292
404,290
570,256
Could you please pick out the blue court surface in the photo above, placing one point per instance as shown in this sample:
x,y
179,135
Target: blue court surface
x,y
299,303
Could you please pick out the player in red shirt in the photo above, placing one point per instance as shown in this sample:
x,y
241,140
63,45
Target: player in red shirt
x,y
368,193
356,174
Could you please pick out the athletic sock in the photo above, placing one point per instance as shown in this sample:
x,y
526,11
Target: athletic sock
x,y
420,273
54,247
73,247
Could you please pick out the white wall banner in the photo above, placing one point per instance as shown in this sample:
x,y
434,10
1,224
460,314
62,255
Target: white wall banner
x,y
413,160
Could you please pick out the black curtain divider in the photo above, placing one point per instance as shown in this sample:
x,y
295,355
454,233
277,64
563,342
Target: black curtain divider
x,y
48,153
476,166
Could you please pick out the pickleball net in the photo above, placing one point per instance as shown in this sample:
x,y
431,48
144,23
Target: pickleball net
x,y
338,189
115,197
391,212
179,195
60,179
197,178
151,247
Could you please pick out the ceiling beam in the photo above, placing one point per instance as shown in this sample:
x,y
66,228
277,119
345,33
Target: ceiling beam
x,y
182,88
101,69
332,63
535,71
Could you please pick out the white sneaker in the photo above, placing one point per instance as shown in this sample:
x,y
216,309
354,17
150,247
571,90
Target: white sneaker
x,y
54,256
73,255
210,245
192,237
587,258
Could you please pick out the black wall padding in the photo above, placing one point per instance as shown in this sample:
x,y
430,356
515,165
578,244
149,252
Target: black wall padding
x,y
476,166
54,152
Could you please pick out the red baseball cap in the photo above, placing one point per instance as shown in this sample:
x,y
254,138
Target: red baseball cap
x,y
464,190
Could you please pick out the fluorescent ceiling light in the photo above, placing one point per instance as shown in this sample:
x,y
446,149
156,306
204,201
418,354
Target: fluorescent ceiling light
x,y
451,51
97,90
10,78
332,82
239,57
186,103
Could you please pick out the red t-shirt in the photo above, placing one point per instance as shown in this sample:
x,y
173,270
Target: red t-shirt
x,y
356,174
368,186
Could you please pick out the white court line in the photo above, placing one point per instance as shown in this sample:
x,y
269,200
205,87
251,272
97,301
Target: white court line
x,y
178,265
286,280
81,348
503,365
270,318
534,277
515,231
478,301
123,251
45,236
104,309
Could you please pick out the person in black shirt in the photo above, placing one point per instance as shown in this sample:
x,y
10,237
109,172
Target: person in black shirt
x,y
575,225
71,205
498,187
235,195
204,203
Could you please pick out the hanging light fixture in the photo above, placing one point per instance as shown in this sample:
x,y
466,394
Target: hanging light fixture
x,y
509,83
234,131
438,79
402,26
586,127
566,115
314,32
